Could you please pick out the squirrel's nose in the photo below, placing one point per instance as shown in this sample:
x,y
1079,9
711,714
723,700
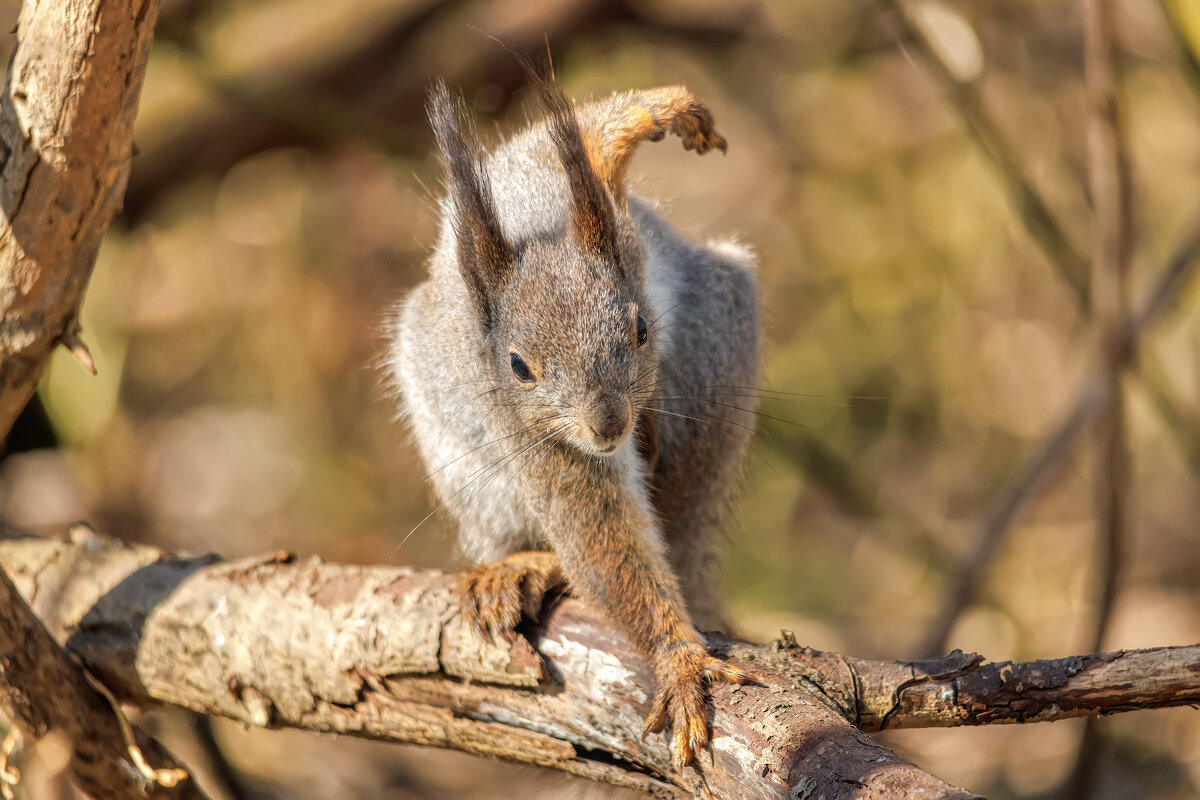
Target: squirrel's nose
x,y
611,421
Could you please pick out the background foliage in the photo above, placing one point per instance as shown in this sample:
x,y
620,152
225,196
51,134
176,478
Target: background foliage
x,y
920,341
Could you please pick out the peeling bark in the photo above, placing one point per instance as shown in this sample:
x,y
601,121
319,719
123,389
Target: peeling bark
x,y
378,652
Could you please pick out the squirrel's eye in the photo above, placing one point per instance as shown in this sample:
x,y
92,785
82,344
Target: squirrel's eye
x,y
642,331
521,369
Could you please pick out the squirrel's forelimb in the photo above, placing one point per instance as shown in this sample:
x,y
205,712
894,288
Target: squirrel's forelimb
x,y
602,528
613,128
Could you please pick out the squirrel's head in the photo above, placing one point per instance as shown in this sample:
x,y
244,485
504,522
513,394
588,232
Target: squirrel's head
x,y
562,315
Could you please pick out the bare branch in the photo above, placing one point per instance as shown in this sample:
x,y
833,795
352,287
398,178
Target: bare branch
x,y
1091,401
66,120
1191,60
962,690
42,688
375,91
1108,184
1038,218
1108,181
1039,468
378,652
1045,229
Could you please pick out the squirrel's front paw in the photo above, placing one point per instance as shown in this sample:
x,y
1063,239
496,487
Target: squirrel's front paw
x,y
493,597
681,703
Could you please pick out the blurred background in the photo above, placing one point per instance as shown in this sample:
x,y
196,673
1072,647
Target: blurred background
x,y
924,336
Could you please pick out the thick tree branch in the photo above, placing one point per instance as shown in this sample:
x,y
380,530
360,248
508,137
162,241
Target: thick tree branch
x,y
378,652
66,118
42,689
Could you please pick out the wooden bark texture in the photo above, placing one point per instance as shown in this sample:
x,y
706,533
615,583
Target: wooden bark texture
x,y
66,120
378,652
42,689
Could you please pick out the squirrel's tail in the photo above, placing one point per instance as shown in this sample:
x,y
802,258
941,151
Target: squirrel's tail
x,y
612,128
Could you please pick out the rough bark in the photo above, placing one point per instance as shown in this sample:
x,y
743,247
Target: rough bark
x,y
43,689
66,118
378,652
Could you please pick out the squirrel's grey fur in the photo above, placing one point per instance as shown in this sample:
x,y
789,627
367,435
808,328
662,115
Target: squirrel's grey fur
x,y
518,465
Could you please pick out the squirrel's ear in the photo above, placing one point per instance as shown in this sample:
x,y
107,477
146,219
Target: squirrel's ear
x,y
591,207
484,257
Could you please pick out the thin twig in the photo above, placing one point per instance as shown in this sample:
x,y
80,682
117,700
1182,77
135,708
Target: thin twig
x,y
10,776
1165,398
1108,180
1043,226
1108,184
1038,468
168,777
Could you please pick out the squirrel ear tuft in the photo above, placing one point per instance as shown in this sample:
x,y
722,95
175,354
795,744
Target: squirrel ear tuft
x,y
484,257
591,207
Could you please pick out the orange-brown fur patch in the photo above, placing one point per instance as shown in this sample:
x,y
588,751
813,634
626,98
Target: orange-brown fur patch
x,y
613,128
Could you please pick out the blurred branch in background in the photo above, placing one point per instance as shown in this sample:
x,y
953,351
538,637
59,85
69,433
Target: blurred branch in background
x,y
373,89
1038,469
1154,382
1093,399
1039,220
1181,16
1050,235
1109,187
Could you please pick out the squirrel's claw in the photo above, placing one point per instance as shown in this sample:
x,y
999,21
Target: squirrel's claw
x,y
682,700
494,597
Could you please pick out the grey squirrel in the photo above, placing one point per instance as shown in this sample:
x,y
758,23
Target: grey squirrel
x,y
569,371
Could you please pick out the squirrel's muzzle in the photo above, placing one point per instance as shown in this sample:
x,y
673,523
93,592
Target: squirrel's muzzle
x,y
607,423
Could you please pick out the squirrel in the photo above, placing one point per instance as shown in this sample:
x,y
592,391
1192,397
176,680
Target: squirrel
x,y
567,371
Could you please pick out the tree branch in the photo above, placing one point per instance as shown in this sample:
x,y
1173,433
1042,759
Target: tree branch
x,y
1109,185
1091,400
1039,220
42,689
378,652
380,84
1109,188
66,118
